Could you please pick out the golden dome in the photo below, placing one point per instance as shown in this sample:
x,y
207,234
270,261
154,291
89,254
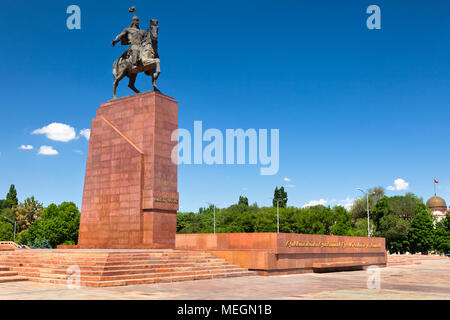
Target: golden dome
x,y
436,204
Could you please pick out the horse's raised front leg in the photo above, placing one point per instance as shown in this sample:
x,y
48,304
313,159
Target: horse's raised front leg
x,y
131,83
116,83
155,76
157,71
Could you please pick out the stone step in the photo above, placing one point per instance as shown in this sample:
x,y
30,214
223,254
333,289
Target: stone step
x,y
104,257
87,273
57,256
88,260
127,275
8,273
118,268
118,255
109,264
12,279
136,281
138,269
124,268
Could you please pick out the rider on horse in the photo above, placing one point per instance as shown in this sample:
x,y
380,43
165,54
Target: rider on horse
x,y
141,56
132,36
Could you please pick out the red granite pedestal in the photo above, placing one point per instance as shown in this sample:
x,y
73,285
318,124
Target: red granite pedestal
x,y
130,196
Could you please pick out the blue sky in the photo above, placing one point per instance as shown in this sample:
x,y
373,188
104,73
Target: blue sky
x,y
355,107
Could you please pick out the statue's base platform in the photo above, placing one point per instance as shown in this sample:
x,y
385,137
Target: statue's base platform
x,y
116,267
287,253
130,197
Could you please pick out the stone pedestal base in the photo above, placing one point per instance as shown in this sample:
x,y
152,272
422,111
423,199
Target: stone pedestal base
x,y
130,196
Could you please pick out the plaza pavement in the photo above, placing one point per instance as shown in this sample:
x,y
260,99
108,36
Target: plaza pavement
x,y
421,279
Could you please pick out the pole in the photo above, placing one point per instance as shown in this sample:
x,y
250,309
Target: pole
x,y
214,218
368,221
278,218
368,210
15,223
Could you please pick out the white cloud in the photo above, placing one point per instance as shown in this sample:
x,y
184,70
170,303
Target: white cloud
x,y
58,132
290,186
86,133
287,179
399,184
346,203
26,147
48,151
313,203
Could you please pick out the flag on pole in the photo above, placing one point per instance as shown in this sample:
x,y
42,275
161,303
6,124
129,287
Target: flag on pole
x,y
434,184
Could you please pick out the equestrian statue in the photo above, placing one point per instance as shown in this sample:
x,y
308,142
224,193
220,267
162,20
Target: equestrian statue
x,y
141,56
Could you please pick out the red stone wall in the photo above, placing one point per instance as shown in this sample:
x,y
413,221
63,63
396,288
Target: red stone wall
x,y
130,193
284,253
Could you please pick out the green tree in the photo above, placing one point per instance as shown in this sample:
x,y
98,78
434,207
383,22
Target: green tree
x,y
314,220
395,231
380,210
27,212
7,218
11,196
57,225
392,219
6,231
243,201
421,233
406,207
360,228
184,220
442,235
11,199
281,197
342,225
359,207
39,244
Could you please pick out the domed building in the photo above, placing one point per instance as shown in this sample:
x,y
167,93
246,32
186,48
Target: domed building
x,y
437,206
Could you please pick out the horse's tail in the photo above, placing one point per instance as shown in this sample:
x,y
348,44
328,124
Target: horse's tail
x,y
115,68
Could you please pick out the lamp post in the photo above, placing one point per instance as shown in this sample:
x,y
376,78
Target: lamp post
x,y
278,213
368,210
212,204
15,225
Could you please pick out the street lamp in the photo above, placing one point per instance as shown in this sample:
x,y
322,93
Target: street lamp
x,y
278,213
15,225
368,210
212,204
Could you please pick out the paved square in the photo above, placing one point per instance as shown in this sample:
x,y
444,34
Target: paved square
x,y
420,279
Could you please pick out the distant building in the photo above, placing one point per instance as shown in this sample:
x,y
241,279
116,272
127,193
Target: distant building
x,y
438,207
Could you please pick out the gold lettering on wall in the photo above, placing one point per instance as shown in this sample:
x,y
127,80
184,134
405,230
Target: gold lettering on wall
x,y
166,200
290,244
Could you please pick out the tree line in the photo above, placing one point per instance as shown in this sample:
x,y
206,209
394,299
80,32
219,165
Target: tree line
x,y
404,221
36,226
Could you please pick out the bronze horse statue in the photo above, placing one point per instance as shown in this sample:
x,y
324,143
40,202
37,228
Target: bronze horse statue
x,y
141,56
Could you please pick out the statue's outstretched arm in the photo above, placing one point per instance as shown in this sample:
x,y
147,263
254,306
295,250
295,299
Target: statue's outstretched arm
x,y
118,38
